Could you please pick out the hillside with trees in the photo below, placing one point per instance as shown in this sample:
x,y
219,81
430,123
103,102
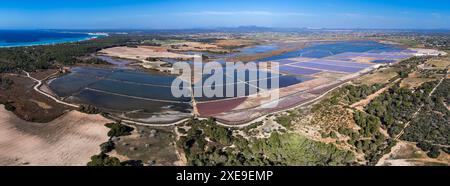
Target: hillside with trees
x,y
206,143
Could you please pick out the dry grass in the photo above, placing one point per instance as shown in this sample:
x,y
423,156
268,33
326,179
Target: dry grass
x,y
151,145
439,63
41,104
414,82
29,104
380,77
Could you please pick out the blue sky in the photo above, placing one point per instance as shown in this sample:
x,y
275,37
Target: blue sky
x,y
168,14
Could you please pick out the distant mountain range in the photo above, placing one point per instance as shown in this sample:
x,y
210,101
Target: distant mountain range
x,y
255,29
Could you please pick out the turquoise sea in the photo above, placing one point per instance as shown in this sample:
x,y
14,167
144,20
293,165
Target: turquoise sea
x,y
17,38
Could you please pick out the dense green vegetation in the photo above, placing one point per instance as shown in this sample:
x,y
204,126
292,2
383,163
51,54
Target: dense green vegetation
x,y
432,150
89,109
432,124
357,93
103,160
405,67
107,146
350,94
397,106
52,56
222,148
442,93
94,61
391,110
118,129
284,120
368,139
369,124
8,106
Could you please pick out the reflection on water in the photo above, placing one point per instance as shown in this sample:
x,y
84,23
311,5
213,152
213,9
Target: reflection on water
x,y
239,52
321,50
137,94
121,90
119,63
258,49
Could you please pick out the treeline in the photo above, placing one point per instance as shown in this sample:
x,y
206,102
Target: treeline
x,y
118,129
51,56
407,66
209,144
431,127
443,91
369,139
348,95
352,94
369,124
89,109
397,105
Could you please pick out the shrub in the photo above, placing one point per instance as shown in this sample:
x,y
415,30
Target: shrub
x,y
107,146
284,121
103,160
434,152
424,146
118,129
9,107
89,109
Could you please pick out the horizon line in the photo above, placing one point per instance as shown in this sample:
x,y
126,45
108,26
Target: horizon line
x,y
224,27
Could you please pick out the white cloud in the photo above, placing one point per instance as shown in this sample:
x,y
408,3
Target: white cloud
x,y
248,13
436,15
350,14
405,12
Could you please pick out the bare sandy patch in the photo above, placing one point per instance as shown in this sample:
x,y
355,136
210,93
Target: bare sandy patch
x,y
414,82
68,140
408,154
197,47
41,104
142,53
